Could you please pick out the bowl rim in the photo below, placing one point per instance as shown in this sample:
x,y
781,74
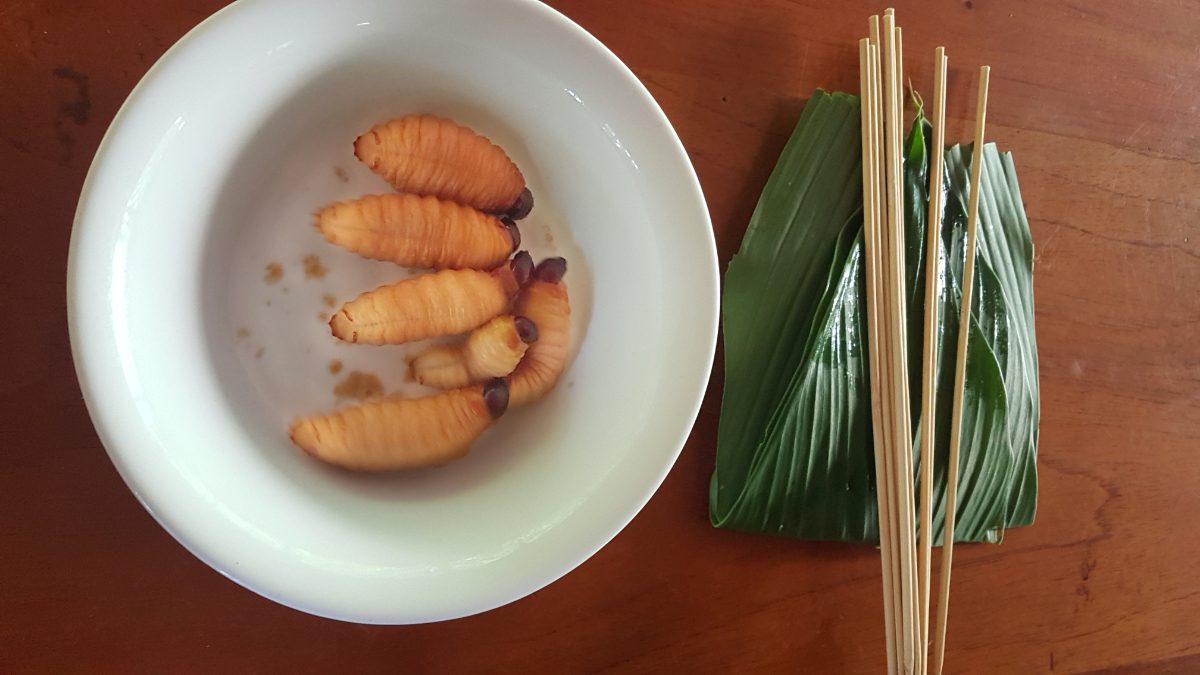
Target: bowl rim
x,y
103,416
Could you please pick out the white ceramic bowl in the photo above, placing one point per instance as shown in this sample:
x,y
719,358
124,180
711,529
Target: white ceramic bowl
x,y
192,364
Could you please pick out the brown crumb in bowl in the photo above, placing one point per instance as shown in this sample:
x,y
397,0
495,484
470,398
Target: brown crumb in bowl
x,y
313,269
322,317
341,174
243,332
274,272
258,354
358,385
329,300
335,367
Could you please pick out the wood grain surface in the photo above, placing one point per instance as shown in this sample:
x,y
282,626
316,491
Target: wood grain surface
x,y
1098,100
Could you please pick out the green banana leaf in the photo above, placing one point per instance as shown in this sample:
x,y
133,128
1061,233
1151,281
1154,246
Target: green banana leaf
x,y
794,448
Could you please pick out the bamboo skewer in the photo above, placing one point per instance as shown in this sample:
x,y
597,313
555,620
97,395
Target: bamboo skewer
x,y
868,88
906,533
886,357
897,366
891,513
964,323
901,328
900,76
930,353
886,473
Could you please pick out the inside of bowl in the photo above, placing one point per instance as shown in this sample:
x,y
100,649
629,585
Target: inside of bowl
x,y
220,324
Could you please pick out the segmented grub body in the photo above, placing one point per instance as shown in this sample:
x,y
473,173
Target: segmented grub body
x,y
417,231
391,433
545,302
430,155
446,302
492,350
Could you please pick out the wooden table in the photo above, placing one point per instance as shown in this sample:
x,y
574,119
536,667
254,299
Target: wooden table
x,y
1099,101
